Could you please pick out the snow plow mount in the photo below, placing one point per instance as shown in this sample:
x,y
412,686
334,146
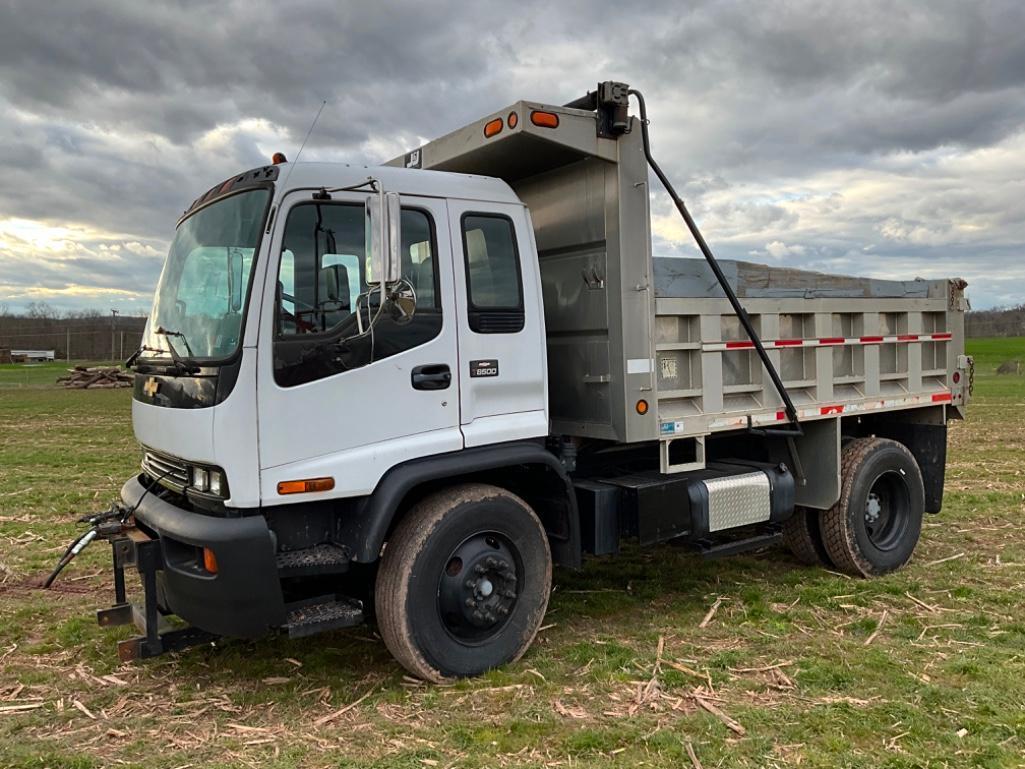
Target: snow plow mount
x,y
132,547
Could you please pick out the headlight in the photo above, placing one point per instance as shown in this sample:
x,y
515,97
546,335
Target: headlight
x,y
200,479
217,483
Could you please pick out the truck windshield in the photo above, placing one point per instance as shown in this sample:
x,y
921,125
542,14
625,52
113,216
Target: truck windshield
x,y
204,285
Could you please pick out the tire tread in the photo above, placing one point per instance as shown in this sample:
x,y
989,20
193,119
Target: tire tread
x,y
406,542
838,536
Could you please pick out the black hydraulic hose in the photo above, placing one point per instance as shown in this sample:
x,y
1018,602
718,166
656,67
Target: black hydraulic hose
x,y
79,544
731,295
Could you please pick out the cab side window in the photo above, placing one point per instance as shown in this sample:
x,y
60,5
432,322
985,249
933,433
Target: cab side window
x,y
324,308
493,283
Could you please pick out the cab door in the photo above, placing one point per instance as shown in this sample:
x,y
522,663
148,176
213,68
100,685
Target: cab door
x,y
348,389
502,383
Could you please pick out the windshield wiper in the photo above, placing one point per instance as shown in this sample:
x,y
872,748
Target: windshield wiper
x,y
135,355
184,365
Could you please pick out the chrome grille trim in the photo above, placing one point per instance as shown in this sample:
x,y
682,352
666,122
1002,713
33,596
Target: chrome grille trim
x,y
174,470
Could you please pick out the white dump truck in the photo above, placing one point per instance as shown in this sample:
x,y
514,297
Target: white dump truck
x,y
403,393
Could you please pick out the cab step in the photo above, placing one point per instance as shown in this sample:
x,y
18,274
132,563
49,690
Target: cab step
x,y
720,548
311,618
320,559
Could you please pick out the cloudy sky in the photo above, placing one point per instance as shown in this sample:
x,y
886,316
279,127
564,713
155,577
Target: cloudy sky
x,y
876,138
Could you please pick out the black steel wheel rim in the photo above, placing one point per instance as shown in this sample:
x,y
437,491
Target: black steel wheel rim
x,y
888,510
479,586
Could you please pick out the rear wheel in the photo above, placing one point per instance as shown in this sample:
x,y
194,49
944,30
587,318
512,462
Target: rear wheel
x,y
464,583
875,525
802,534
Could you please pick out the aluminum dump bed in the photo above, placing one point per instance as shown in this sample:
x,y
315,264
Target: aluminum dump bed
x,y
624,328
842,345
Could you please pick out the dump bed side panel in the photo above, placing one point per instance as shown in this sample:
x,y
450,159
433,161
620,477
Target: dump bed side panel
x,y
841,345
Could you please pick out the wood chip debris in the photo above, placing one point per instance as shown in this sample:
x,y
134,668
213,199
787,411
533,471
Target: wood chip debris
x,y
694,760
341,711
79,706
879,627
944,560
711,613
21,707
731,724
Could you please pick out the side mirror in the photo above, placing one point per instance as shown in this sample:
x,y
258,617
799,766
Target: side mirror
x,y
384,238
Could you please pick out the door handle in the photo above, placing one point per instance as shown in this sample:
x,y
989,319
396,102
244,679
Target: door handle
x,y
433,376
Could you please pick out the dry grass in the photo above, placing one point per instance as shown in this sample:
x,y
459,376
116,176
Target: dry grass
x,y
655,659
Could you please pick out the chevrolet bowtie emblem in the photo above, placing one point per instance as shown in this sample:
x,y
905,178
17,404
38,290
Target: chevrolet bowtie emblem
x,y
151,387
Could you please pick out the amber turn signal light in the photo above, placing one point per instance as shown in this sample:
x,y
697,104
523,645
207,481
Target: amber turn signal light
x,y
209,560
642,407
306,486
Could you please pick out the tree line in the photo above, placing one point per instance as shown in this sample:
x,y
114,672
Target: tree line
x,y
1007,321
79,335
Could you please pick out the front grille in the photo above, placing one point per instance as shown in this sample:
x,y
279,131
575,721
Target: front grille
x,y
173,472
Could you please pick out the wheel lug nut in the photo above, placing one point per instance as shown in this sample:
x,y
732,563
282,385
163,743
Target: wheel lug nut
x,y
470,584
479,569
470,603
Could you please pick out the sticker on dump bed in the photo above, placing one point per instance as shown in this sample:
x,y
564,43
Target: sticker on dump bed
x,y
638,365
671,428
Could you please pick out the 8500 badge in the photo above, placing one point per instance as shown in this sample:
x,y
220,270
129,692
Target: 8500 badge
x,y
487,367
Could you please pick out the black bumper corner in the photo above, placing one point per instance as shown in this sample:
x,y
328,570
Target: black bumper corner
x,y
243,599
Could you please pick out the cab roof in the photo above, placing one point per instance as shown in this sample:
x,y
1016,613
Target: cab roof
x,y
408,181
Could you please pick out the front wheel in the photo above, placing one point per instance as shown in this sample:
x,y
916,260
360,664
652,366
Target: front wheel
x,y
464,582
875,525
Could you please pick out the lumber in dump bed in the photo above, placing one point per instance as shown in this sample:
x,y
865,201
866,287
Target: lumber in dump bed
x,y
842,345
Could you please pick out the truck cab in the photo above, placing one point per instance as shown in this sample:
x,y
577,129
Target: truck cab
x,y
404,392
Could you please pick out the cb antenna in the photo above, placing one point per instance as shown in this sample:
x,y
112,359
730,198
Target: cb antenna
x,y
305,139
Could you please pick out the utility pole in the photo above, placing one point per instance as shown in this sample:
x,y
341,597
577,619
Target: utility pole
x,y
113,320
67,344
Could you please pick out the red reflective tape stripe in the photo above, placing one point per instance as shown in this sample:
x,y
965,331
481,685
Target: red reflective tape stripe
x,y
907,338
838,409
940,397
945,335
832,340
870,339
788,342
739,345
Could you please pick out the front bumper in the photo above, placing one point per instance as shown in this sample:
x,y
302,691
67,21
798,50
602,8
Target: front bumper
x,y
243,599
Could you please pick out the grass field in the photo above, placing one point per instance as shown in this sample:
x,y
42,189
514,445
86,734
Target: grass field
x,y
795,667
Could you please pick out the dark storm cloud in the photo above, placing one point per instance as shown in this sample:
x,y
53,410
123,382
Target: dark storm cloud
x,y
116,114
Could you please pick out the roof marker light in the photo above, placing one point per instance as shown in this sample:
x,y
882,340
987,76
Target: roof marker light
x,y
278,158
544,119
513,120
492,127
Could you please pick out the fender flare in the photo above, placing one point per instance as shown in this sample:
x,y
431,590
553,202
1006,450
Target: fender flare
x,y
367,528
